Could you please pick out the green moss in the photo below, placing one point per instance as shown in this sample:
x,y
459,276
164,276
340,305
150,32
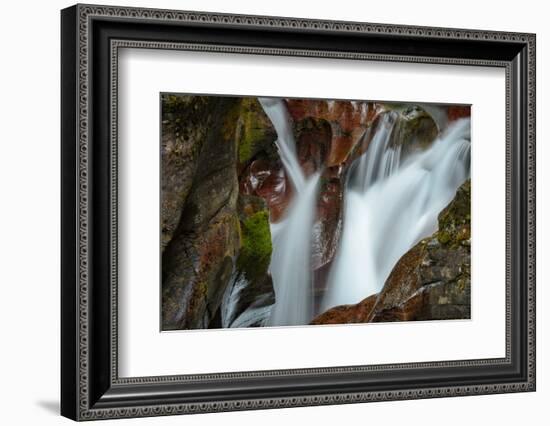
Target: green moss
x,y
251,136
463,233
178,103
461,284
390,106
171,103
458,212
256,246
253,129
230,120
454,220
202,289
415,129
443,237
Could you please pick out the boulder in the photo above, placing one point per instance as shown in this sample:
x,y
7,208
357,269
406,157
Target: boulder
x,y
347,314
414,129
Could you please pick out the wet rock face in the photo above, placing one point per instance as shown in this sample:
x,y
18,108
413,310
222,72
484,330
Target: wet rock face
x,y
313,139
437,288
410,126
327,227
348,121
254,133
185,124
267,179
454,112
261,171
198,260
415,129
430,282
211,231
347,314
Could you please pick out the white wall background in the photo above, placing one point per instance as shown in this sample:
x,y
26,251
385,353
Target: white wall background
x,y
29,212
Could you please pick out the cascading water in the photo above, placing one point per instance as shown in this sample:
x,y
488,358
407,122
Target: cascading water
x,y
254,315
231,299
381,160
291,259
290,265
391,203
291,238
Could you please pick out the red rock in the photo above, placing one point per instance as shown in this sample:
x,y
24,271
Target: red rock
x,y
348,121
456,112
313,139
267,180
327,225
347,314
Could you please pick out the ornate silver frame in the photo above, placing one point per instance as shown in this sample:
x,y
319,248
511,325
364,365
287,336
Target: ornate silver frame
x,y
91,388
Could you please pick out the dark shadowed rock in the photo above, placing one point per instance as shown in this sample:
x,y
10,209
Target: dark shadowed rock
x,y
198,260
186,121
212,232
454,112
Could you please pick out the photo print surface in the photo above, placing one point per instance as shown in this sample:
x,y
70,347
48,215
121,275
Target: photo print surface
x,y
294,212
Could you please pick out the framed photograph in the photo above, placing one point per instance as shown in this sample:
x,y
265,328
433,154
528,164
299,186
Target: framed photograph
x,y
263,212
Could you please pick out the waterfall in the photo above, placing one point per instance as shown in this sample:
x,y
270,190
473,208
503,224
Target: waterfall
x,y
290,265
391,203
392,199
253,315
277,112
382,160
230,300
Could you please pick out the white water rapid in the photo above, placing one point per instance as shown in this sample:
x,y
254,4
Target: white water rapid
x,y
391,203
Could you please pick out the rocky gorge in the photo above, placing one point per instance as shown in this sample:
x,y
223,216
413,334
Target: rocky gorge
x,y
226,187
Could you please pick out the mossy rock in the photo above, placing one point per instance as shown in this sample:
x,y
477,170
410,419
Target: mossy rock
x,y
256,248
454,220
415,128
200,224
255,133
